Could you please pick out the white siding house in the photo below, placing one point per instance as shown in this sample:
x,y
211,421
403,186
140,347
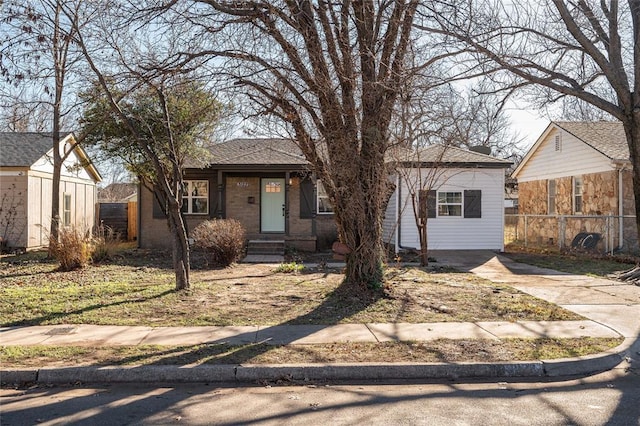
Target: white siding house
x,y
26,178
462,193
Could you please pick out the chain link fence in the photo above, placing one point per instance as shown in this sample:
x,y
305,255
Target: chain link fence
x,y
605,234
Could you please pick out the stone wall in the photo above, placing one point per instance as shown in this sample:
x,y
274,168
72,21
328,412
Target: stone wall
x,y
599,211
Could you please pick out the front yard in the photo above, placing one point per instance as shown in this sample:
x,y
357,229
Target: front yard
x,y
137,289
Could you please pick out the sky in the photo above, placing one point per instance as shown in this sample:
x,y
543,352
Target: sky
x,y
528,123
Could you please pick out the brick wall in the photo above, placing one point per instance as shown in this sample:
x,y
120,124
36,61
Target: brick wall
x,y
238,191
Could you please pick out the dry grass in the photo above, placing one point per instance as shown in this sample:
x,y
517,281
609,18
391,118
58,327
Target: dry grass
x,y
136,288
442,350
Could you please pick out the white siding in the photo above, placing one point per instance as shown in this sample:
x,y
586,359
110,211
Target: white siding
x,y
574,159
71,166
457,233
389,224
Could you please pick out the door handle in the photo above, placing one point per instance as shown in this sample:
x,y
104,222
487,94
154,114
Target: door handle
x,y
283,210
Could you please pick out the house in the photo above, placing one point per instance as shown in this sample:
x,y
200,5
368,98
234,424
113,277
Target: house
x,y
460,192
118,192
266,184
576,179
26,176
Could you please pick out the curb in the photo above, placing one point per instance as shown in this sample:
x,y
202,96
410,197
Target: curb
x,y
255,373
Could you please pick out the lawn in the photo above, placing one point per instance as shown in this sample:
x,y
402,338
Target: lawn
x,y
573,262
137,288
442,350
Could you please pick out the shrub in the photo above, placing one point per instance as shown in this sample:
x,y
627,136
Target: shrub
x,y
221,239
73,249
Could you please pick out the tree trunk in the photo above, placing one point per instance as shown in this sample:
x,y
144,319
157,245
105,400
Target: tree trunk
x,y
422,230
362,196
632,131
180,246
55,187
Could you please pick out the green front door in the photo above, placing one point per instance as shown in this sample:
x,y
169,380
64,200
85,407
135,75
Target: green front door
x,y
272,205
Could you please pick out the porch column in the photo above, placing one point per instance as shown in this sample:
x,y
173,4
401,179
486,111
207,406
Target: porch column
x,y
219,211
287,187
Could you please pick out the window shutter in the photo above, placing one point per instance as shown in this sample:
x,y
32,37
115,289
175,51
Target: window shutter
x,y
472,203
213,198
307,200
158,211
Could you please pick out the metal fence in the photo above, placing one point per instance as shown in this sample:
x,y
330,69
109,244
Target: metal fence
x,y
606,234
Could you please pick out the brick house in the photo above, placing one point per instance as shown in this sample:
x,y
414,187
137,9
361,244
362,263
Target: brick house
x,y
577,178
266,184
26,178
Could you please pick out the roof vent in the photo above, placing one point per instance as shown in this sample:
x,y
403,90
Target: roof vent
x,y
486,150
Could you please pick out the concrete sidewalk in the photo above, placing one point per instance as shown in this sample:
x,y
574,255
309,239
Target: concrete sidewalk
x,y
612,309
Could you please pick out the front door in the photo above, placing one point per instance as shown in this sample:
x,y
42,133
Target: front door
x,y
272,205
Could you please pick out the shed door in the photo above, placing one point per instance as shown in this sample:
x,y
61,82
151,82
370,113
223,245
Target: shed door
x,y
272,205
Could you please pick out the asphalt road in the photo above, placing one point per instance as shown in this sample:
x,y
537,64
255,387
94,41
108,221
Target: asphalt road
x,y
611,398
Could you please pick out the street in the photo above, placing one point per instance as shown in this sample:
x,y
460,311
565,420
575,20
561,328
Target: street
x,y
611,398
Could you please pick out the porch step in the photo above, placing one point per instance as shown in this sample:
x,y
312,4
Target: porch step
x,y
265,247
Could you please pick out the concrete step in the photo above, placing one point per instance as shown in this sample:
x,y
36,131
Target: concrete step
x,y
266,247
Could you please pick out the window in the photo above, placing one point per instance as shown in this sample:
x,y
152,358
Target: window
x,y
558,143
66,210
577,194
551,196
449,203
196,197
324,205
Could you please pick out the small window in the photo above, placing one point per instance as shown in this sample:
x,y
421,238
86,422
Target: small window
x,y
551,196
577,194
196,197
324,205
449,203
558,143
66,210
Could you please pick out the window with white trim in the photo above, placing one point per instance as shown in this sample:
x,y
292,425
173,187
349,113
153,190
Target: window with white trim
x,y
577,194
324,205
66,209
449,204
196,197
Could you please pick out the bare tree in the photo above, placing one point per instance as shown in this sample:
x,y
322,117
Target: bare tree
x,y
38,52
586,49
330,72
155,118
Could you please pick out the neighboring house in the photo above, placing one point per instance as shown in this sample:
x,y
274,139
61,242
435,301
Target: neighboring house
x,y
118,192
266,184
577,178
461,193
26,176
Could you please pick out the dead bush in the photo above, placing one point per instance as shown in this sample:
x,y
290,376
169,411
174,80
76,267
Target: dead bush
x,y
73,249
106,242
221,239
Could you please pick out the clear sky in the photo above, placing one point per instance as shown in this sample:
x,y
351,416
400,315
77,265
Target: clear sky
x,y
528,124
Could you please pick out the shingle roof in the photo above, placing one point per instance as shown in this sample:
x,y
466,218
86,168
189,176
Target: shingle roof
x,y
450,155
24,149
606,137
257,152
